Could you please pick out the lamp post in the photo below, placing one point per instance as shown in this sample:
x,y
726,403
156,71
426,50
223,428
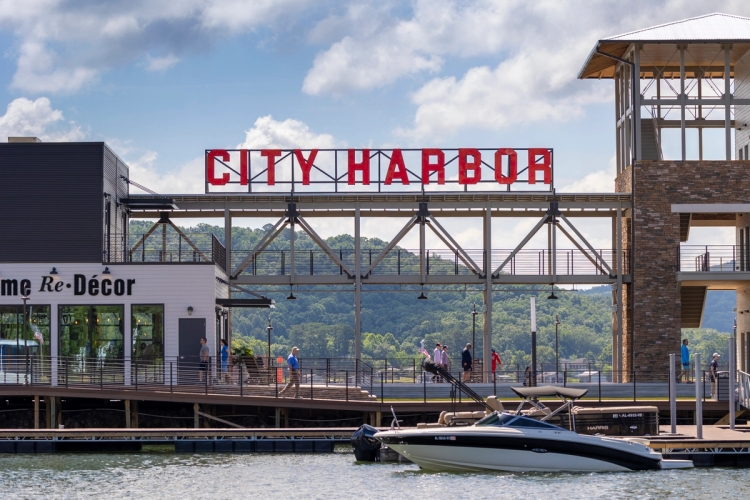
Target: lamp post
x,y
26,340
557,344
269,329
473,330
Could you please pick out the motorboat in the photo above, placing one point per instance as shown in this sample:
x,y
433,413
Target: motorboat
x,y
517,442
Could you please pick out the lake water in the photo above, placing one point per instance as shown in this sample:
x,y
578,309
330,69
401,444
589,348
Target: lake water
x,y
166,475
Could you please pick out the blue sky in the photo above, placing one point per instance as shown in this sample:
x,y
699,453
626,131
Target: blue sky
x,y
162,81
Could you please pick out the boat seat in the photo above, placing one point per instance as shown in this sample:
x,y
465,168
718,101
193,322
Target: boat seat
x,y
578,410
534,412
495,404
461,417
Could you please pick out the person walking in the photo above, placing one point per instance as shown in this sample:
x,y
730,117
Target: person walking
x,y
294,375
437,358
466,362
714,374
445,360
203,357
495,362
685,358
225,362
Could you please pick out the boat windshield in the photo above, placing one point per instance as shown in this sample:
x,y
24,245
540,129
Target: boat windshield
x,y
497,419
510,420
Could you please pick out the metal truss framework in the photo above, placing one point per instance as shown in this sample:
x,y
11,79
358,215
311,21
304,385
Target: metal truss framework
x,y
423,213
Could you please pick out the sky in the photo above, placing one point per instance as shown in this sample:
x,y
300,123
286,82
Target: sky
x,y
162,81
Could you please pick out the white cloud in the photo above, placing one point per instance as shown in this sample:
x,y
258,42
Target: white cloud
x,y
290,133
64,46
24,117
601,181
161,63
531,54
188,178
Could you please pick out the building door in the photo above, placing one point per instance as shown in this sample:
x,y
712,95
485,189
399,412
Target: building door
x,y
191,330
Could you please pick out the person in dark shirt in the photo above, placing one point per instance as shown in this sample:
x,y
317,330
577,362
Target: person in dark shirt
x,y
466,362
714,368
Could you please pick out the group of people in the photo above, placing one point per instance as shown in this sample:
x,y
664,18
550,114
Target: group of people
x,y
440,357
713,368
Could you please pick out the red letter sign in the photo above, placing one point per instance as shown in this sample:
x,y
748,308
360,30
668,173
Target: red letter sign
x,y
438,166
243,167
397,169
475,166
545,166
364,167
512,166
210,173
271,154
306,164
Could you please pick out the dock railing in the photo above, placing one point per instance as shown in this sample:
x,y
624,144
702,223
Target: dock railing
x,y
337,378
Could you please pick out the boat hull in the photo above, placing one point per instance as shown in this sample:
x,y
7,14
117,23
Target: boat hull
x,y
543,452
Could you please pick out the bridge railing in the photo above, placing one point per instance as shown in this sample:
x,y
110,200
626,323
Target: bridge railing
x,y
438,262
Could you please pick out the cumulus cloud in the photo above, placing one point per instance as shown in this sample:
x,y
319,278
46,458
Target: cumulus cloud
x,y
24,117
64,46
535,50
287,134
188,178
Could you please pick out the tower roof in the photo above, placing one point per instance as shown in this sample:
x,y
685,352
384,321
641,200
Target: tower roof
x,y
712,29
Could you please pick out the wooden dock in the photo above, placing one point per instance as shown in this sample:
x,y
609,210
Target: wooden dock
x,y
720,445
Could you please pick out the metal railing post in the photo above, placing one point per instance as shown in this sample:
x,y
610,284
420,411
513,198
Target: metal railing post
x,y
600,385
672,394
732,378
382,391
346,378
698,400
634,397
565,378
136,374
424,386
311,384
65,360
101,375
171,371
239,374
414,370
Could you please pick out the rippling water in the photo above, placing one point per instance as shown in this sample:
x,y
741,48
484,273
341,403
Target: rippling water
x,y
167,475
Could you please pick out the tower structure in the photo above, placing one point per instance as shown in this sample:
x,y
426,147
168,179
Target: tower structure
x,y
682,108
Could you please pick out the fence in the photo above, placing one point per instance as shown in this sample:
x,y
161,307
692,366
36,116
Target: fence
x,y
329,378
321,379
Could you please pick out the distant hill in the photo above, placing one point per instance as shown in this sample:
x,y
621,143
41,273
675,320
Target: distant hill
x,y
718,313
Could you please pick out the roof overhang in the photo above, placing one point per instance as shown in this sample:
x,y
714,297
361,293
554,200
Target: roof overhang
x,y
149,203
264,302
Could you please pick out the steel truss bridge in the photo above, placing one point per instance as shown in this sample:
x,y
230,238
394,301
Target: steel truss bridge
x,y
358,268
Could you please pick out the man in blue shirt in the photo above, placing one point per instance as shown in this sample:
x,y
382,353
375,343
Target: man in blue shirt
x,y
685,355
294,375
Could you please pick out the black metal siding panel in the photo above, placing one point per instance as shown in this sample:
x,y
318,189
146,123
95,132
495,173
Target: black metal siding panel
x,y
117,188
51,202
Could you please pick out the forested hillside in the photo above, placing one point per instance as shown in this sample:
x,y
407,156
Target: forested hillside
x,y
321,321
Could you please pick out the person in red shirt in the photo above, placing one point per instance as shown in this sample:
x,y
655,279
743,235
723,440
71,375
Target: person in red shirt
x,y
495,362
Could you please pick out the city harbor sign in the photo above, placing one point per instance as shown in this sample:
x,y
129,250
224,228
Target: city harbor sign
x,y
378,170
81,285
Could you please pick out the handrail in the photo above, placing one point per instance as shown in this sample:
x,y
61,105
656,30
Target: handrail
x,y
743,380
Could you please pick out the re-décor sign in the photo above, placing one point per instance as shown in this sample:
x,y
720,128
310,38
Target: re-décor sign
x,y
385,169
81,285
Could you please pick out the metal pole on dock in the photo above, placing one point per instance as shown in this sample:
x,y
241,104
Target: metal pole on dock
x,y
698,400
672,395
732,378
